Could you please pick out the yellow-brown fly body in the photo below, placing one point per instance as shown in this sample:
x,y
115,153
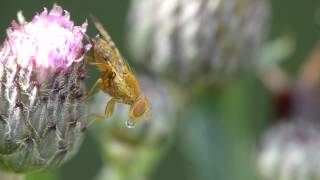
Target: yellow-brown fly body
x,y
117,78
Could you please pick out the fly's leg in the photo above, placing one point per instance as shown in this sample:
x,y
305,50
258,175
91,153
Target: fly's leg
x,y
103,66
88,38
94,117
108,111
103,85
110,108
102,81
99,117
91,91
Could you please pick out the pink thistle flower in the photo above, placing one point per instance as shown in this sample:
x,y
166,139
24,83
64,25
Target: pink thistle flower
x,y
41,74
50,41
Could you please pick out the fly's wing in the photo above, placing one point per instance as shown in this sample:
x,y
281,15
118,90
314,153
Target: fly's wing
x,y
117,60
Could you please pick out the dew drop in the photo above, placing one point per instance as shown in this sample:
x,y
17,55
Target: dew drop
x,y
130,124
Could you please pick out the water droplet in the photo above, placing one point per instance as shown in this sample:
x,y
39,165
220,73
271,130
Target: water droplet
x,y
130,123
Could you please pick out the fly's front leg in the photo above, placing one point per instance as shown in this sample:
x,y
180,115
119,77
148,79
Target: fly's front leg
x,y
101,66
110,108
91,91
98,117
103,81
88,38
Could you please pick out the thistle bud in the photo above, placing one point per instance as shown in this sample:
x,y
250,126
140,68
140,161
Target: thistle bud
x,y
290,151
191,39
41,111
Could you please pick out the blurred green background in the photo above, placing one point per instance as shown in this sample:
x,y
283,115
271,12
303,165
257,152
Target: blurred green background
x,y
228,123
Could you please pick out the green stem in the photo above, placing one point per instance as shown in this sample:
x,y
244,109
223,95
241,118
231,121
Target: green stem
x,y
11,176
115,173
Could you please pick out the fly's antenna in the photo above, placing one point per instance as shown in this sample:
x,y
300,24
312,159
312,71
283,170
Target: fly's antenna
x,y
87,37
102,31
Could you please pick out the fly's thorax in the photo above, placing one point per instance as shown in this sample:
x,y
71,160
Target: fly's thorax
x,y
119,89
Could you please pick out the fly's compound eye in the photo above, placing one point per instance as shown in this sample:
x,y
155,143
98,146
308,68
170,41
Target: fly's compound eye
x,y
140,108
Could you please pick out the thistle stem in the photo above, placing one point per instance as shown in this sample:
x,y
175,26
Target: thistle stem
x,y
116,173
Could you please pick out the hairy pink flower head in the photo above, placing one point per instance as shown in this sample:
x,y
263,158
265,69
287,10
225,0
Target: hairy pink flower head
x,y
50,42
41,91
